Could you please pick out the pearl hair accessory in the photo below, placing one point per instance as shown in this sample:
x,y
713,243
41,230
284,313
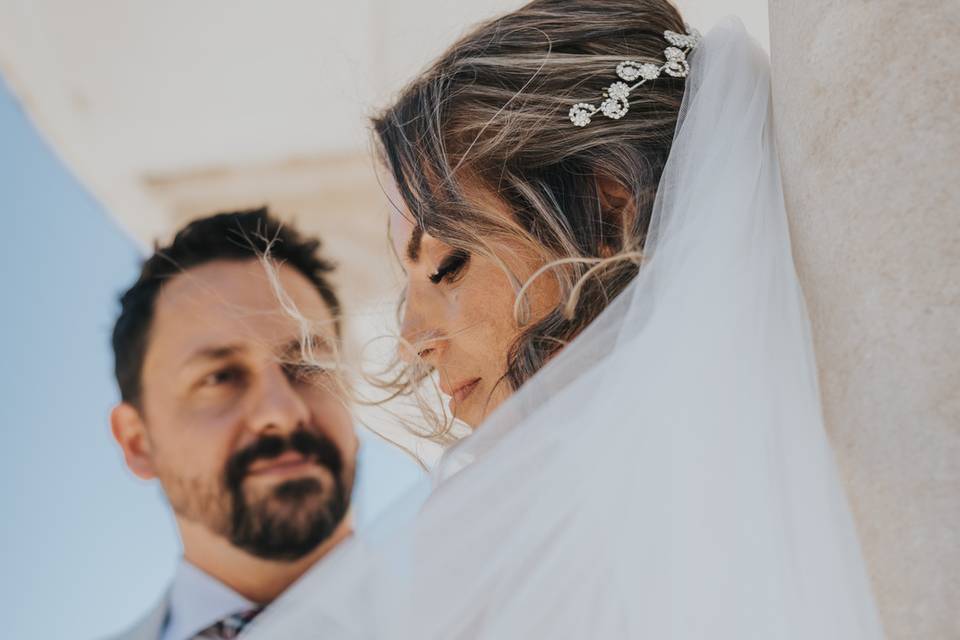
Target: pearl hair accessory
x,y
615,103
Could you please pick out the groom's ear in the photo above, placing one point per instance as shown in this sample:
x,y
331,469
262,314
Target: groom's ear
x,y
130,432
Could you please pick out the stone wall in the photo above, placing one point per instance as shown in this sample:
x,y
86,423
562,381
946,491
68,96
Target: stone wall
x,y
867,107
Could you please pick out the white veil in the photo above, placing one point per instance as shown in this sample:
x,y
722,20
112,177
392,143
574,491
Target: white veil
x,y
666,476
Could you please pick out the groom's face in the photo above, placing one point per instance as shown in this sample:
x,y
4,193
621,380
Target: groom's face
x,y
246,437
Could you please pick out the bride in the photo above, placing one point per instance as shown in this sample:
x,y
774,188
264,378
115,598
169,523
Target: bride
x,y
590,219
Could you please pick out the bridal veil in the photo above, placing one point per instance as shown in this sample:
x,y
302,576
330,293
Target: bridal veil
x,y
667,475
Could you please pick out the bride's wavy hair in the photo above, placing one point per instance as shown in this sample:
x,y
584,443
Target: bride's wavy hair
x,y
491,114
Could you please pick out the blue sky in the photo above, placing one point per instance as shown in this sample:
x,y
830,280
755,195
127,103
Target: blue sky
x,y
85,547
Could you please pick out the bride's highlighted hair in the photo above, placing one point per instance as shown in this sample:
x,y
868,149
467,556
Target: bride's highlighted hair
x,y
492,115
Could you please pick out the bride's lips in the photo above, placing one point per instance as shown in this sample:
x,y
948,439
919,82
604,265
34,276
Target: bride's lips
x,y
460,393
289,463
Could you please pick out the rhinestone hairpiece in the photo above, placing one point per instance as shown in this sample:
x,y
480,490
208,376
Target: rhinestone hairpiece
x,y
616,98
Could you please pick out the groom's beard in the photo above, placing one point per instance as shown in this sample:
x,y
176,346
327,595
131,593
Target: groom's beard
x,y
284,522
292,518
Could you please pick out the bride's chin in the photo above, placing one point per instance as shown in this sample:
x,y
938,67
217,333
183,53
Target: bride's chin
x,y
466,413
474,414
466,416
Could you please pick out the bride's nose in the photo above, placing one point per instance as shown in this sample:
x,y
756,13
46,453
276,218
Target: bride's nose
x,y
423,340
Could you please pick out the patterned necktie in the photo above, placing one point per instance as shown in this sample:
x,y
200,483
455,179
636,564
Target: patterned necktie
x,y
229,627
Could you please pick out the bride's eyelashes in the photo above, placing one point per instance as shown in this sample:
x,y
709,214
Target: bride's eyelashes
x,y
451,267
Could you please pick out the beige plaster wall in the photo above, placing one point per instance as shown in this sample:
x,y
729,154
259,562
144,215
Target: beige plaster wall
x,y
867,108
336,197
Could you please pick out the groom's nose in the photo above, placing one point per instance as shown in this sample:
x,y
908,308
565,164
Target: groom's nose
x,y
276,405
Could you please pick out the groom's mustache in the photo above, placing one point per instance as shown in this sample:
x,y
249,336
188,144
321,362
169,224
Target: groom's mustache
x,y
315,448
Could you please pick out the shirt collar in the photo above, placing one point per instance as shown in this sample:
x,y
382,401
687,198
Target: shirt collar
x,y
197,601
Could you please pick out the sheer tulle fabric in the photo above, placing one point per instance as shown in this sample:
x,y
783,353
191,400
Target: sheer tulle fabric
x,y
667,475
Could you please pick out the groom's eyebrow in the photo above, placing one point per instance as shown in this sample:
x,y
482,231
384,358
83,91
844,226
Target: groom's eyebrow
x,y
293,350
413,247
214,353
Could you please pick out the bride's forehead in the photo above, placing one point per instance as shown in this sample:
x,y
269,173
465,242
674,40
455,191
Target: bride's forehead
x,y
402,228
412,244
409,240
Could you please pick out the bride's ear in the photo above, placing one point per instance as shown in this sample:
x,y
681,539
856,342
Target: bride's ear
x,y
618,208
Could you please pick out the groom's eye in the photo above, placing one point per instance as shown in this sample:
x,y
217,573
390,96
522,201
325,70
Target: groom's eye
x,y
226,376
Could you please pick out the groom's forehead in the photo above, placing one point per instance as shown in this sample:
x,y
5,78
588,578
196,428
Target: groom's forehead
x,y
232,303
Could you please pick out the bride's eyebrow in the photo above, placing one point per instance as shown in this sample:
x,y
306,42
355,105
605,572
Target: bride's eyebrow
x,y
413,246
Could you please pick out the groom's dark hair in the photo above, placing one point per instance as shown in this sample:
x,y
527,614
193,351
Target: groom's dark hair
x,y
237,235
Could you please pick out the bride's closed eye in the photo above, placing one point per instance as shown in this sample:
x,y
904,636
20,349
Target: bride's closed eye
x,y
451,267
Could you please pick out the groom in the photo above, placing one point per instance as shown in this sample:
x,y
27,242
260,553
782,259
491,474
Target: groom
x,y
250,441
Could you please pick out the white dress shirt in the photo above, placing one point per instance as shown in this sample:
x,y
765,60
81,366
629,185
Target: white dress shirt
x,y
197,601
